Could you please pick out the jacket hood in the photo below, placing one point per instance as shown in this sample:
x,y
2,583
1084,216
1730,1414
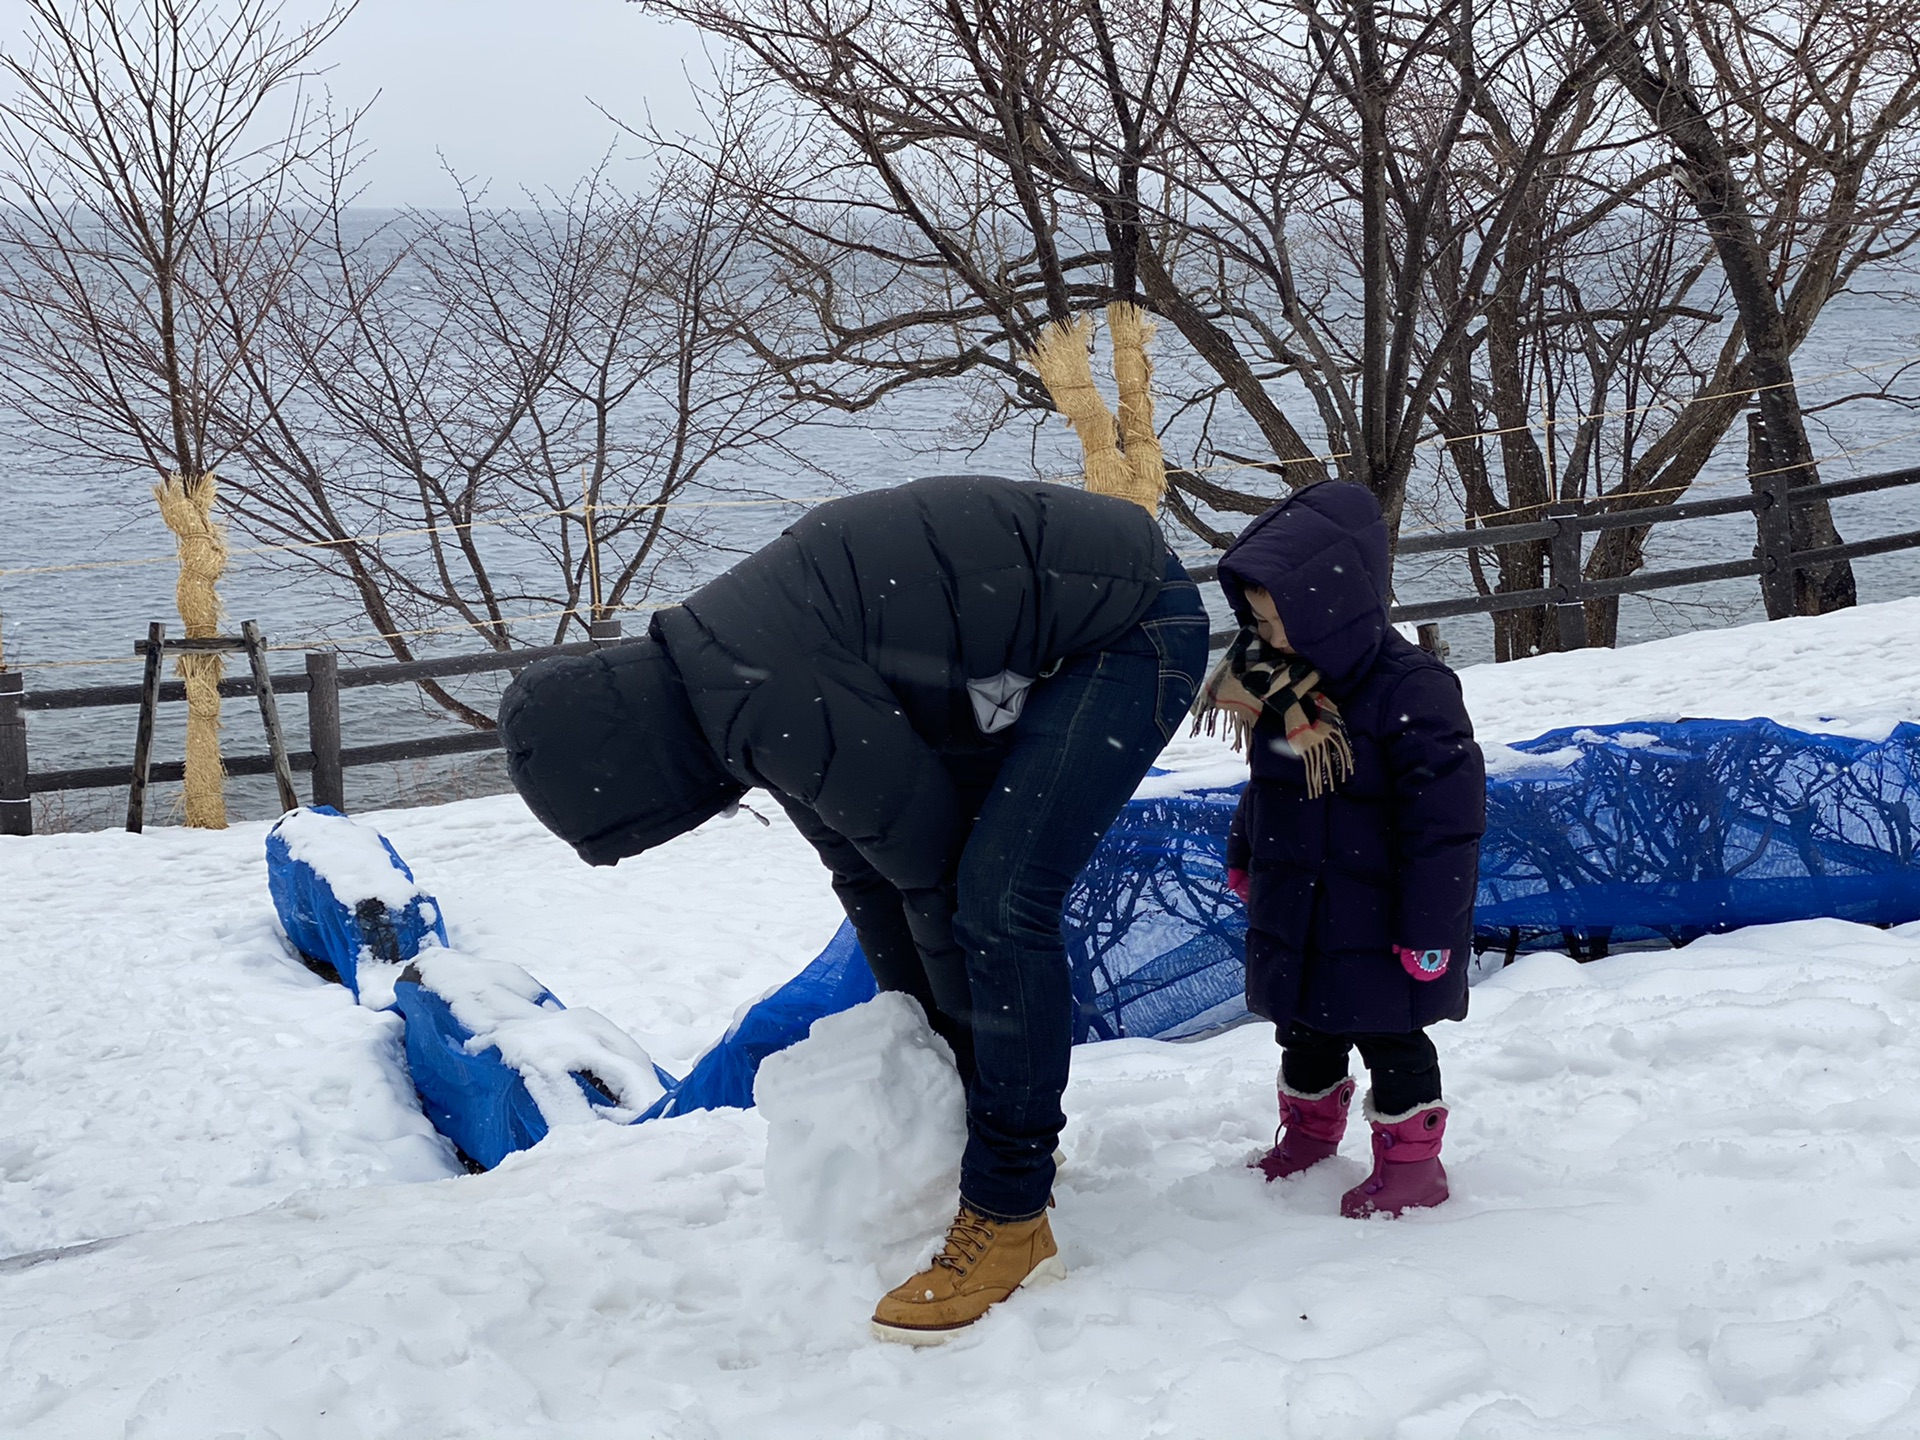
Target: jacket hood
x,y
605,750
1323,555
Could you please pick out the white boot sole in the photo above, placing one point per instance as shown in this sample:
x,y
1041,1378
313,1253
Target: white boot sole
x,y
1045,1273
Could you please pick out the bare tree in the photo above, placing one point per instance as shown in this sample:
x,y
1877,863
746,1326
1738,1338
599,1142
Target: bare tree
x,y
1606,369
1792,115
1398,227
451,393
1354,201
163,170
1592,312
937,181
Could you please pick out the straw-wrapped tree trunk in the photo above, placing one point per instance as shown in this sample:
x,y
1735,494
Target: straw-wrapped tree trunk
x,y
1122,453
187,507
162,174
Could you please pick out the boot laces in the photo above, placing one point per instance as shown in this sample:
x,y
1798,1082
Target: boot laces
x,y
967,1240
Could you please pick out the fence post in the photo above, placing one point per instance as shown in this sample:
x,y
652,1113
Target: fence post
x,y
1563,574
143,733
1772,520
604,632
1431,642
16,804
269,715
323,728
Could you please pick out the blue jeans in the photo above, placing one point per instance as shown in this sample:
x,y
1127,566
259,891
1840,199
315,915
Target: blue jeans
x,y
1088,736
985,957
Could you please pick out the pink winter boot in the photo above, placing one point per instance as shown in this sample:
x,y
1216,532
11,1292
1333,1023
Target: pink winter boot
x,y
1407,1174
1310,1129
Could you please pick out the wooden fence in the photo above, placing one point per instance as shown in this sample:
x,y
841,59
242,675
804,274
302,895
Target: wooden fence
x,y
1562,527
327,759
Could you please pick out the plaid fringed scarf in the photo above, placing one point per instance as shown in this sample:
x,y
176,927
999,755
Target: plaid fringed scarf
x,y
1251,677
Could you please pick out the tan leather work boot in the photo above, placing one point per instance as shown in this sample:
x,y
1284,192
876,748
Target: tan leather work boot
x,y
983,1262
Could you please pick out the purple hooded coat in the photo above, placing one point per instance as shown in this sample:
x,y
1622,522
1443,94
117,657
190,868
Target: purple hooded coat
x,y
1390,856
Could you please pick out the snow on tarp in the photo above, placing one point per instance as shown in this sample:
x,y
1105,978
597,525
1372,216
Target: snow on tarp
x,y
475,1100
345,897
498,1060
495,1057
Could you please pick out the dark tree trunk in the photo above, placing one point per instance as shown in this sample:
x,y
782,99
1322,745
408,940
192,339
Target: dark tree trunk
x,y
1707,171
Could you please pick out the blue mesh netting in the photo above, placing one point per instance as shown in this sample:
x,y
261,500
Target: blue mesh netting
x,y
1636,833
1596,838
1156,941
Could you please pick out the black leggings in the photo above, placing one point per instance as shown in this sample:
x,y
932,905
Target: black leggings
x,y
1405,1068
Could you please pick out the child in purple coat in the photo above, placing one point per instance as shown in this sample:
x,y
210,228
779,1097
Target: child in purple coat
x,y
1356,844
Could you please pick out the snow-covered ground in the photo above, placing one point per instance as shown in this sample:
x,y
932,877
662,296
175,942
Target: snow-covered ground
x,y
1855,672
1687,1184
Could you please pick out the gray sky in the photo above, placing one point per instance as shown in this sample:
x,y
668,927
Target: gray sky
x,y
501,87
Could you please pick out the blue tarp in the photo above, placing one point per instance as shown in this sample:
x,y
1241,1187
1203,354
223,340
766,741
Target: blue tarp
x,y
475,1099
330,930
479,1102
838,979
1597,837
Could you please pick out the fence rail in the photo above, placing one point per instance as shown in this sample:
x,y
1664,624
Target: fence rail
x,y
326,759
1568,589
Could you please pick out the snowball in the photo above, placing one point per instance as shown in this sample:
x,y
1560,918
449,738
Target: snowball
x,y
866,1119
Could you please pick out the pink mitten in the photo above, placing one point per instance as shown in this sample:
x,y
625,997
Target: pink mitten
x,y
1423,964
1240,883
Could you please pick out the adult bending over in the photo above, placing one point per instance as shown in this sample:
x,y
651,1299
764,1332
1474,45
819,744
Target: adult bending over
x,y
952,687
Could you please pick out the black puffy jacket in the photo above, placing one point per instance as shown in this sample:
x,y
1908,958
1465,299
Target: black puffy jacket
x,y
1390,856
848,666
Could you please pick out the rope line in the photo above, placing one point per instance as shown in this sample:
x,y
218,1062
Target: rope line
x,y
1437,441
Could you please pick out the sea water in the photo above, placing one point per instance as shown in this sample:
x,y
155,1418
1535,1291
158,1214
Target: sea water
x,y
61,513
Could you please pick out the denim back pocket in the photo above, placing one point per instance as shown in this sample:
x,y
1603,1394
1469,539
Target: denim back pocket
x,y
1180,640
